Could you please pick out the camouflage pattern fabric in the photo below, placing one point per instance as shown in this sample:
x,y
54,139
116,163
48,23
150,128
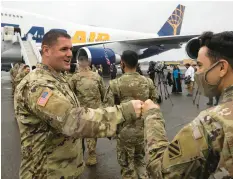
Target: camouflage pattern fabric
x,y
90,89
13,74
19,77
202,148
130,145
52,125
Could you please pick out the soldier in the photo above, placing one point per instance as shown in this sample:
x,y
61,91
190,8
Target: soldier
x,y
113,71
100,70
90,89
13,73
50,120
151,71
138,69
21,74
204,147
93,68
130,140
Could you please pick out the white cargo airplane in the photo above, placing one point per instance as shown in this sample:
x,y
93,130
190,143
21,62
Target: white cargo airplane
x,y
96,42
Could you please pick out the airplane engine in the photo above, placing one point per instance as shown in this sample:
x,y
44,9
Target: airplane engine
x,y
97,55
192,48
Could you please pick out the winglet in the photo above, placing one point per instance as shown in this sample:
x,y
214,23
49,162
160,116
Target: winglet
x,y
173,25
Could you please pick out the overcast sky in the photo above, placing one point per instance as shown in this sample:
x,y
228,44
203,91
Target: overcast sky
x,y
142,16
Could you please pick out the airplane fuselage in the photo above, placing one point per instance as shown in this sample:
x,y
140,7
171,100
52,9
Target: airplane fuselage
x,y
38,25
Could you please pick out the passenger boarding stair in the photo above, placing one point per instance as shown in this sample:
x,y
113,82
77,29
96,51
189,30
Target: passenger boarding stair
x,y
32,59
30,52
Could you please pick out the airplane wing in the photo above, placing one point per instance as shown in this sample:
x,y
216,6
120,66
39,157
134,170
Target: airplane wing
x,y
161,40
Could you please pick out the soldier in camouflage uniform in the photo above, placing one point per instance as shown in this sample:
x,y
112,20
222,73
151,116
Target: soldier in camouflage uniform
x,y
13,73
13,70
93,68
130,140
50,120
203,148
21,74
90,89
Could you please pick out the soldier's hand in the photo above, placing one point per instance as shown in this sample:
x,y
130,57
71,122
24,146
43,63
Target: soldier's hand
x,y
137,104
148,104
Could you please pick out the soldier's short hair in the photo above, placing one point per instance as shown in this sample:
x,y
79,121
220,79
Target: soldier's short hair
x,y
130,58
51,37
26,66
219,45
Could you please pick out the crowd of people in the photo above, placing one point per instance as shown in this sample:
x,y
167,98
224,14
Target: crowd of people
x,y
55,113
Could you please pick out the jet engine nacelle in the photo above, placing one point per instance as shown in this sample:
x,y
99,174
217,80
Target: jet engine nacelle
x,y
97,55
192,48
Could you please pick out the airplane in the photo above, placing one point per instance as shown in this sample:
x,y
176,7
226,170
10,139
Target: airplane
x,y
100,45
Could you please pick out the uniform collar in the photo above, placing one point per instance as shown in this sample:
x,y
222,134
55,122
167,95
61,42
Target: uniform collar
x,y
84,69
55,74
227,94
131,73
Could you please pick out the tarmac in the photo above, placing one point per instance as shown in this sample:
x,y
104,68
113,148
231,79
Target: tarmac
x,y
176,116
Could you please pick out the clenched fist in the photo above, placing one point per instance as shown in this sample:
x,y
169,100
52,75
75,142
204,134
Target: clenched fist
x,y
137,104
148,104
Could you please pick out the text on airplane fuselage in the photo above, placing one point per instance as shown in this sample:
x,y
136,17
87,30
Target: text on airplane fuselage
x,y
78,37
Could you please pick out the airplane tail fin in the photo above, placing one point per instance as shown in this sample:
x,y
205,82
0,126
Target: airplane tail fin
x,y
173,25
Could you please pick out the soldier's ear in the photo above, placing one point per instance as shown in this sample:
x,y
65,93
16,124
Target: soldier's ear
x,y
224,68
45,50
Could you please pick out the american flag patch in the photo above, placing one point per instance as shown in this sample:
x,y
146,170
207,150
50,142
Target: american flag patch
x,y
44,97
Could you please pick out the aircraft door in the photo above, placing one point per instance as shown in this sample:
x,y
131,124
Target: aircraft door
x,y
17,29
8,33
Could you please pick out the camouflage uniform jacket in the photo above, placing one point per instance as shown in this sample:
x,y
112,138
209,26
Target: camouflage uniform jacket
x,y
51,124
89,88
202,148
67,75
130,86
94,69
14,71
19,77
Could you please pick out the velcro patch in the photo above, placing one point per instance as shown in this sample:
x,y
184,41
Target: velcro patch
x,y
174,149
44,97
196,133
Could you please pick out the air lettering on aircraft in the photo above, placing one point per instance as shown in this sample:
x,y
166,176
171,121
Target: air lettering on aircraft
x,y
81,37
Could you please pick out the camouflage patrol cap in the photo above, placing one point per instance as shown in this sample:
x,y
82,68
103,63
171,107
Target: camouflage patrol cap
x,y
221,43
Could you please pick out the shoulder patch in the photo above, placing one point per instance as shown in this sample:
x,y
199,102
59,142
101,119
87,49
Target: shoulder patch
x,y
196,133
174,149
44,97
